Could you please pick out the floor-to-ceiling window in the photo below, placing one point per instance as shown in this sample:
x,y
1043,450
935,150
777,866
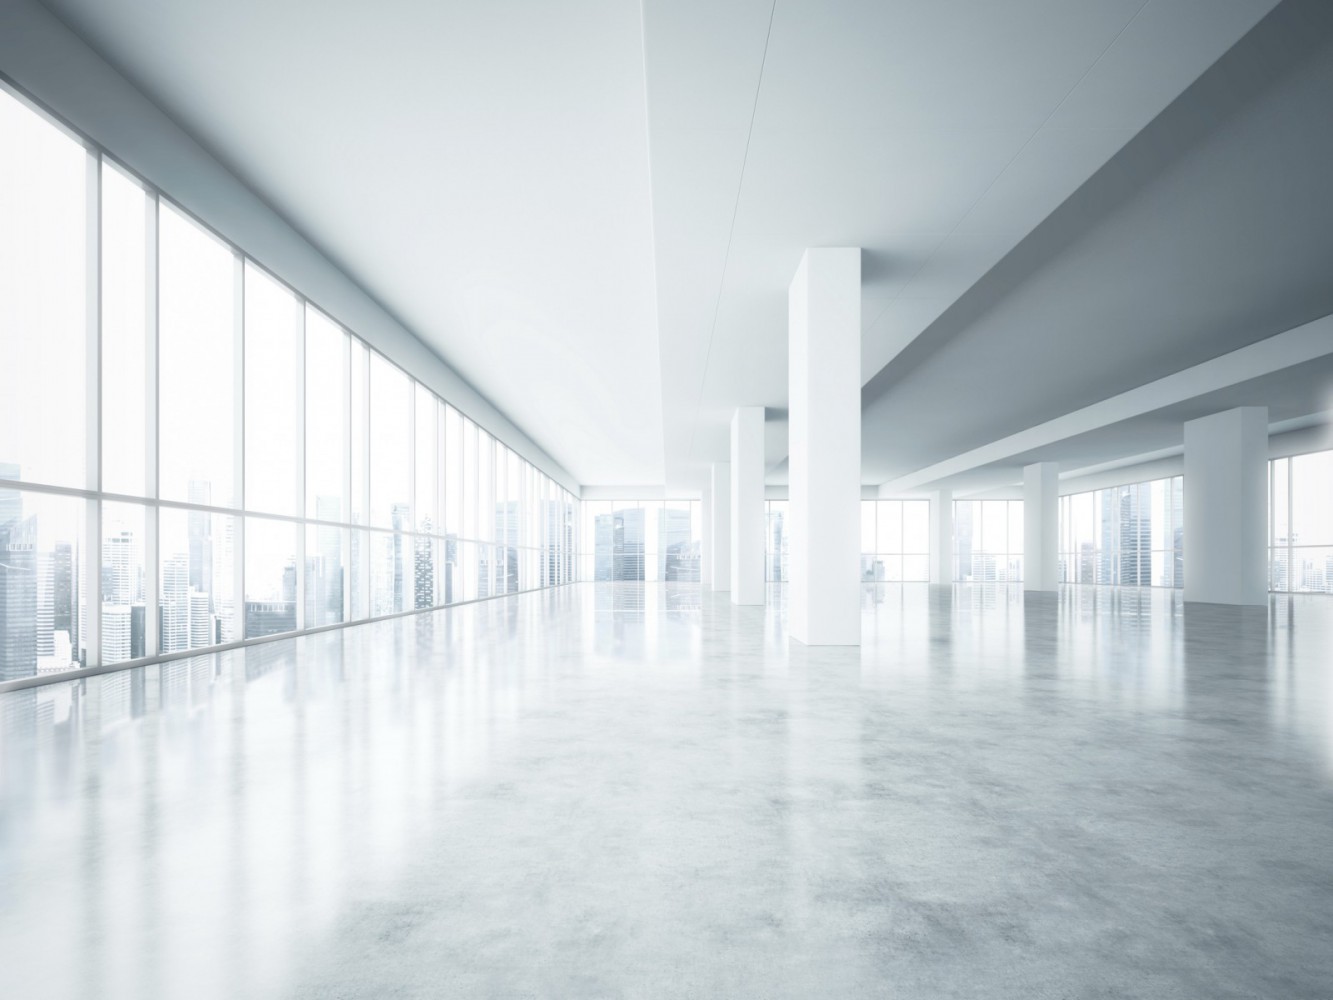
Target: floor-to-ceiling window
x,y
1128,536
191,453
895,541
1300,533
639,540
988,541
775,541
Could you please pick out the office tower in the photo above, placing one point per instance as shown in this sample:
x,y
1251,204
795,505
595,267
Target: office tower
x,y
423,570
199,529
401,519
174,604
119,568
18,592
202,625
117,633
45,605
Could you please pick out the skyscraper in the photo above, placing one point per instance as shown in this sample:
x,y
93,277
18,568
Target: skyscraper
x,y
423,569
18,589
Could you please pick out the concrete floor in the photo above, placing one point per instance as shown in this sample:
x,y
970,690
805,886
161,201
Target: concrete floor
x,y
628,791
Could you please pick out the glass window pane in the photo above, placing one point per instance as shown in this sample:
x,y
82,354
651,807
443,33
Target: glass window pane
x,y
358,574
994,527
426,472
326,408
469,479
42,581
425,558
390,572
679,553
125,217
273,374
453,476
43,289
123,600
360,431
916,527
270,576
196,579
1015,546
868,526
1312,569
390,446
890,526
324,574
1312,499
485,487
916,568
196,363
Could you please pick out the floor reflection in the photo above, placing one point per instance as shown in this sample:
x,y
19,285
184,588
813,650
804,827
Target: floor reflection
x,y
640,788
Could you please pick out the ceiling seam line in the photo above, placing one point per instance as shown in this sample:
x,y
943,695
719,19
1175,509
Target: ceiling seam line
x,y
731,232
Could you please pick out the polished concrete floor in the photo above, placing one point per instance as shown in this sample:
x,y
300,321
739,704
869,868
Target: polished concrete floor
x,y
629,791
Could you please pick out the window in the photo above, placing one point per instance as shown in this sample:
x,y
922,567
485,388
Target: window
x,y
197,348
1129,535
1300,555
44,281
325,574
390,446
327,399
270,576
273,381
42,584
127,212
634,540
895,541
290,476
775,541
988,540
196,579
426,467
124,601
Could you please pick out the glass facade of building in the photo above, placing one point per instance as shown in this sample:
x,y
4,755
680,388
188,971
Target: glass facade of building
x,y
193,454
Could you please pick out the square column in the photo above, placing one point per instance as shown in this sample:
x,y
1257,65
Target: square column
x,y
720,522
1041,527
824,396
706,536
747,505
1226,507
941,537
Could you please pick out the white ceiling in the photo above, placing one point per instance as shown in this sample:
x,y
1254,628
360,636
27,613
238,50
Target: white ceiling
x,y
935,135
480,168
592,210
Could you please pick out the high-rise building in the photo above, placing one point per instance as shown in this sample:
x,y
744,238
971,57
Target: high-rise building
x,y
119,568
174,604
423,570
18,590
117,633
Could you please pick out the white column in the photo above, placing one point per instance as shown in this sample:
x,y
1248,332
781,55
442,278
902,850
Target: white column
x,y
747,505
721,525
1041,526
824,396
706,536
1226,507
941,537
